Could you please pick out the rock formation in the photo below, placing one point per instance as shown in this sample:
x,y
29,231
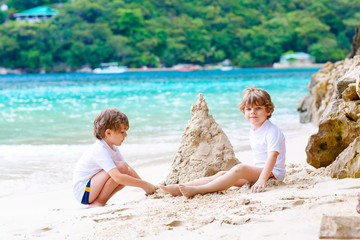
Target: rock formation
x,y
356,44
334,105
336,109
204,148
338,227
347,164
327,85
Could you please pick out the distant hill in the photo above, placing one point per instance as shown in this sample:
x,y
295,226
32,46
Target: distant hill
x,y
250,33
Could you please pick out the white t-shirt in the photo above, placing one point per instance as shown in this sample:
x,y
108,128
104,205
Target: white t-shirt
x,y
98,157
266,139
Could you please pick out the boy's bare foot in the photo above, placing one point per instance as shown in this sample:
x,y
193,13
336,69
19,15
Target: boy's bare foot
x,y
96,204
188,191
358,206
173,189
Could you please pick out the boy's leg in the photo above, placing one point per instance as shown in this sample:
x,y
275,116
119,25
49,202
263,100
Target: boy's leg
x,y
205,180
103,187
174,190
118,188
236,176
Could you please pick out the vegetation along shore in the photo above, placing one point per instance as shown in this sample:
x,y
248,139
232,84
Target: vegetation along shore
x,y
83,34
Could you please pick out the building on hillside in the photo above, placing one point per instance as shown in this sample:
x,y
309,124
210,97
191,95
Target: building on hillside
x,y
36,14
299,59
4,7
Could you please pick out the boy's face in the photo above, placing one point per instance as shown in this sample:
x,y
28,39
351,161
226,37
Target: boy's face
x,y
116,137
256,115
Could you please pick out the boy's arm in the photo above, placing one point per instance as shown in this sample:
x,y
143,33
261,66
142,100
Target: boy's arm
x,y
259,186
127,180
134,173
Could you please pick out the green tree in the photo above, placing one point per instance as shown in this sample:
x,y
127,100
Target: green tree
x,y
88,10
327,50
153,32
127,21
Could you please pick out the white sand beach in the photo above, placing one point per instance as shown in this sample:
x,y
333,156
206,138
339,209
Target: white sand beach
x,y
286,210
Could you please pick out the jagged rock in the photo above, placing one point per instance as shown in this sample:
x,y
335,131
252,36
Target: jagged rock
x,y
343,84
338,227
355,50
302,107
204,148
339,126
350,93
342,109
331,109
321,88
333,137
347,164
333,76
349,77
336,109
351,110
334,105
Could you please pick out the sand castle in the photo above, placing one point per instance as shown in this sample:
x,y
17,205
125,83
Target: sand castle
x,y
204,148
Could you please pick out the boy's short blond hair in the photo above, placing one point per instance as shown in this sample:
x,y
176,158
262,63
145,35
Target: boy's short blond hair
x,y
256,96
109,118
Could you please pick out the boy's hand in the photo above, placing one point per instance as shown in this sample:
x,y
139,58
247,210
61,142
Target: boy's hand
x,y
150,189
259,186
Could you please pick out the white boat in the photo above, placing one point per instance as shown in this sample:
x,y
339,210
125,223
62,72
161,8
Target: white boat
x,y
226,68
111,67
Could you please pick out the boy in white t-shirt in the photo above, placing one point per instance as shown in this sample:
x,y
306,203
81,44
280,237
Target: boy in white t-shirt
x,y
102,170
268,147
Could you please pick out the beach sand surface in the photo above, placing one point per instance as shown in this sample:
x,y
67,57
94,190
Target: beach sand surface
x,y
291,209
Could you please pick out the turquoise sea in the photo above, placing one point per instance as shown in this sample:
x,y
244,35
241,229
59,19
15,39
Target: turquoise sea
x,y
46,119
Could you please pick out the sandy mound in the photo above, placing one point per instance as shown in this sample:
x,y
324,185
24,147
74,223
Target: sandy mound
x,y
204,149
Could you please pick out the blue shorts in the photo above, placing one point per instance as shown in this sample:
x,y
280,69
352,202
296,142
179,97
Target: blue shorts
x,y
85,199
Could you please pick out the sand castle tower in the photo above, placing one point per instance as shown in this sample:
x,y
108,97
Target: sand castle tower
x,y
204,148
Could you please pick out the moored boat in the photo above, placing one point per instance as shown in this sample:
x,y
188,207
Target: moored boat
x,y
111,67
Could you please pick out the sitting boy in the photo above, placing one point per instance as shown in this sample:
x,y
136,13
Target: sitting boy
x,y
102,170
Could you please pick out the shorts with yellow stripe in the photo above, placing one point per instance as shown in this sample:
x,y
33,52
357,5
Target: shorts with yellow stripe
x,y
85,199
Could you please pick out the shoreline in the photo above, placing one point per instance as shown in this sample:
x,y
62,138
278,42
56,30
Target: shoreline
x,y
298,66
297,205
5,71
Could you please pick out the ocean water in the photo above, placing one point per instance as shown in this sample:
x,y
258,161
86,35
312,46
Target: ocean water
x,y
46,120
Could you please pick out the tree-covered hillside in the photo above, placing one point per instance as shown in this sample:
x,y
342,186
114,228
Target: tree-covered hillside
x,y
151,33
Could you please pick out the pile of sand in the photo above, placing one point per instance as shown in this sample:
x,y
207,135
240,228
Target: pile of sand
x,y
204,148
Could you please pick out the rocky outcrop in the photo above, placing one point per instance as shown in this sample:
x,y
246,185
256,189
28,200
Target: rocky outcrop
x,y
327,85
336,109
303,107
347,164
334,105
356,44
204,148
332,138
339,227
